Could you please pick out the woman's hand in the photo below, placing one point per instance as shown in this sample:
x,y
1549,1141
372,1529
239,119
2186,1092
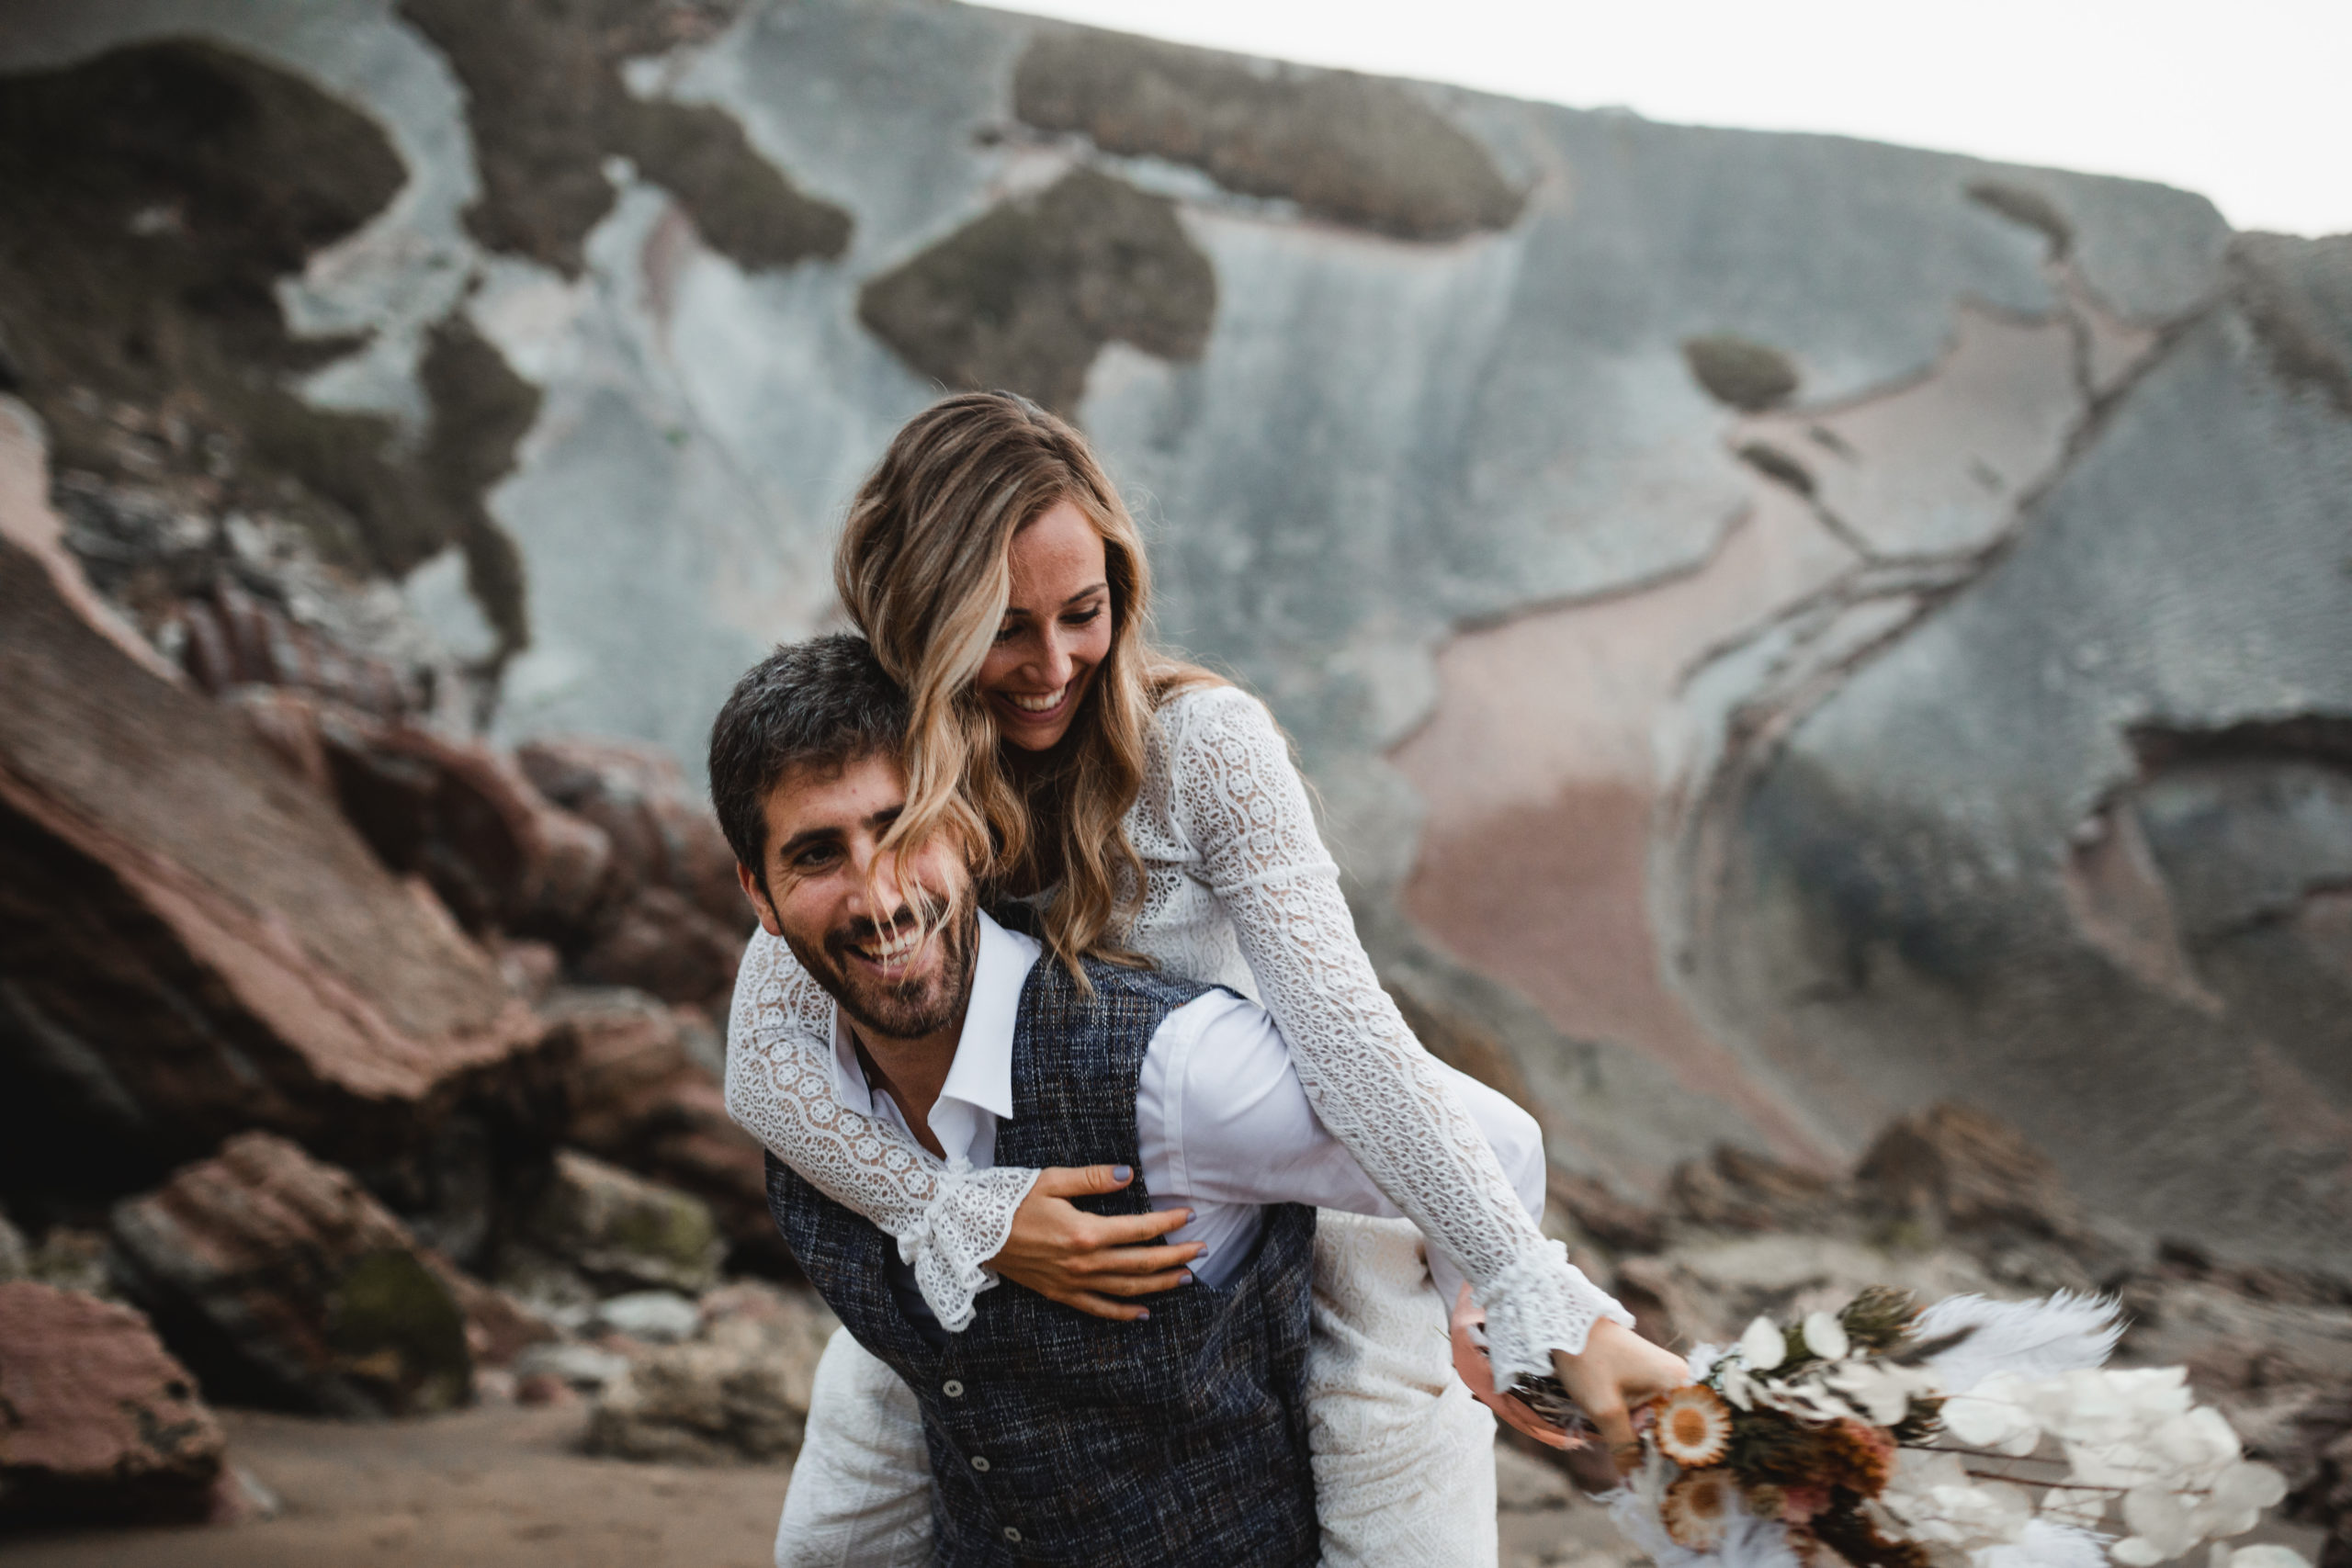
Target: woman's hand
x,y
1083,1260
1470,1361
1618,1372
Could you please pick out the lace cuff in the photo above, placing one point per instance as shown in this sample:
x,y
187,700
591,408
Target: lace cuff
x,y
964,1225
1542,1302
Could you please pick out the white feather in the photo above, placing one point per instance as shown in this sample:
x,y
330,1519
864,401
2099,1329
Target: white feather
x,y
2046,1544
2064,1333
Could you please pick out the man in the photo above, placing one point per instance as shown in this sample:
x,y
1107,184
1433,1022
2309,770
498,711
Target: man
x,y
1055,1437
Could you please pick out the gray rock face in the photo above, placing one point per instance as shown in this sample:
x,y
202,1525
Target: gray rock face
x,y
1785,629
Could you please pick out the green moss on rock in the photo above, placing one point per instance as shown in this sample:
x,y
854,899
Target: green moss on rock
x,y
2024,205
397,1331
1362,151
151,201
547,103
1024,296
1740,372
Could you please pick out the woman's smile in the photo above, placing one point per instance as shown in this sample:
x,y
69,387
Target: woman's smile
x,y
1056,629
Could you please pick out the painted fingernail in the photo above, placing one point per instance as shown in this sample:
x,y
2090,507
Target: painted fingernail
x,y
1122,1173
1144,1314
1184,1276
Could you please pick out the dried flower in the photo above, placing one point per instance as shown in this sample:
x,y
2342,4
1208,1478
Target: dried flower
x,y
1819,1441
1693,1425
1697,1509
1825,1337
1857,1456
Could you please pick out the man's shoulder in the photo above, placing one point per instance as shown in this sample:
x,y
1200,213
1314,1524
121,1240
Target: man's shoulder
x,y
1114,985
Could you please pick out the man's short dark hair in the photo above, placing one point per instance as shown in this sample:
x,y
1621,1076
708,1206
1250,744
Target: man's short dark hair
x,y
820,704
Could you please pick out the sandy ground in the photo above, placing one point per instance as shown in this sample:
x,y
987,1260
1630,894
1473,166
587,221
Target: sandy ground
x,y
504,1487
490,1488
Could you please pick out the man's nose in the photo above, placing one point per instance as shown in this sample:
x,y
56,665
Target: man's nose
x,y
877,894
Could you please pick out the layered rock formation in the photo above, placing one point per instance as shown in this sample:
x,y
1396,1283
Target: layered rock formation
x,y
1785,629
195,940
96,1419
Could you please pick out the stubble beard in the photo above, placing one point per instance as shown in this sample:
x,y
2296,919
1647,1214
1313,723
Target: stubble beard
x,y
912,1009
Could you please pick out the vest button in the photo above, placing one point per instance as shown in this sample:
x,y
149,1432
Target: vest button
x,y
1013,1534
980,1463
953,1388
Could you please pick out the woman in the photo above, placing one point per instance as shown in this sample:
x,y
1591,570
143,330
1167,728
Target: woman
x,y
1151,812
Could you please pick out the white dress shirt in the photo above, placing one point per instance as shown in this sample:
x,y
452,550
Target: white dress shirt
x,y
1223,1126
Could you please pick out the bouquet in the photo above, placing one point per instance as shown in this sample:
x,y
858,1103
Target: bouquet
x,y
1976,1434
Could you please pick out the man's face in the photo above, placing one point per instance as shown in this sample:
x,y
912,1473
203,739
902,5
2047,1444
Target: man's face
x,y
844,907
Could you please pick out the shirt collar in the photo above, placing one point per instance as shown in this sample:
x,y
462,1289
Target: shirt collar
x,y
979,1090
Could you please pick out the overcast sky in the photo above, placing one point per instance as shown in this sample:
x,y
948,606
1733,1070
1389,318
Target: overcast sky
x,y
2247,101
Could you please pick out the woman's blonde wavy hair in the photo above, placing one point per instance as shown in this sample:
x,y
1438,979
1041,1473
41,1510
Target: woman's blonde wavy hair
x,y
923,569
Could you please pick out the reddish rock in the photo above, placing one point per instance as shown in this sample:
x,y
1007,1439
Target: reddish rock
x,y
469,822
234,639
286,722
659,942
1607,1217
98,1421
285,1283
1950,1168
639,1098
662,831
498,1327
192,940
1738,1190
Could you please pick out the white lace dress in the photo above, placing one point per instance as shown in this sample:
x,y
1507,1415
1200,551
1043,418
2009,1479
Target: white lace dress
x,y
1239,891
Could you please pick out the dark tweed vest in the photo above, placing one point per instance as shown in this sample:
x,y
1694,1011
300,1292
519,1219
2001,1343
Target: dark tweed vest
x,y
1061,1438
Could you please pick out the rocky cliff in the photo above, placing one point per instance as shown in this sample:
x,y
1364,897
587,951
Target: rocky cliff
x,y
1785,629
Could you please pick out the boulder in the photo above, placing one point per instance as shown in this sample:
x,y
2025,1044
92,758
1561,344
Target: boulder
x,y
662,830
98,1421
1737,1189
636,1096
179,963
660,942
2238,1347
466,819
284,1283
1951,1169
622,1230
737,1392
649,1317
1604,1214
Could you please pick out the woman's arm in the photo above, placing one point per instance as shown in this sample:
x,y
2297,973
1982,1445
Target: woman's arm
x,y
780,1090
1243,805
955,1228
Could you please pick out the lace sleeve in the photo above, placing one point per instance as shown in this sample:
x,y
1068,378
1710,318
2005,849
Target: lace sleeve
x,y
948,1219
1241,803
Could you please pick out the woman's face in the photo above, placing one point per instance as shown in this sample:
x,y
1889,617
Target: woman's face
x,y
1057,629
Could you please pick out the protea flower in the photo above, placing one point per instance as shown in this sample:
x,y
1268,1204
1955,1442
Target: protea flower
x,y
1693,1427
1697,1510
